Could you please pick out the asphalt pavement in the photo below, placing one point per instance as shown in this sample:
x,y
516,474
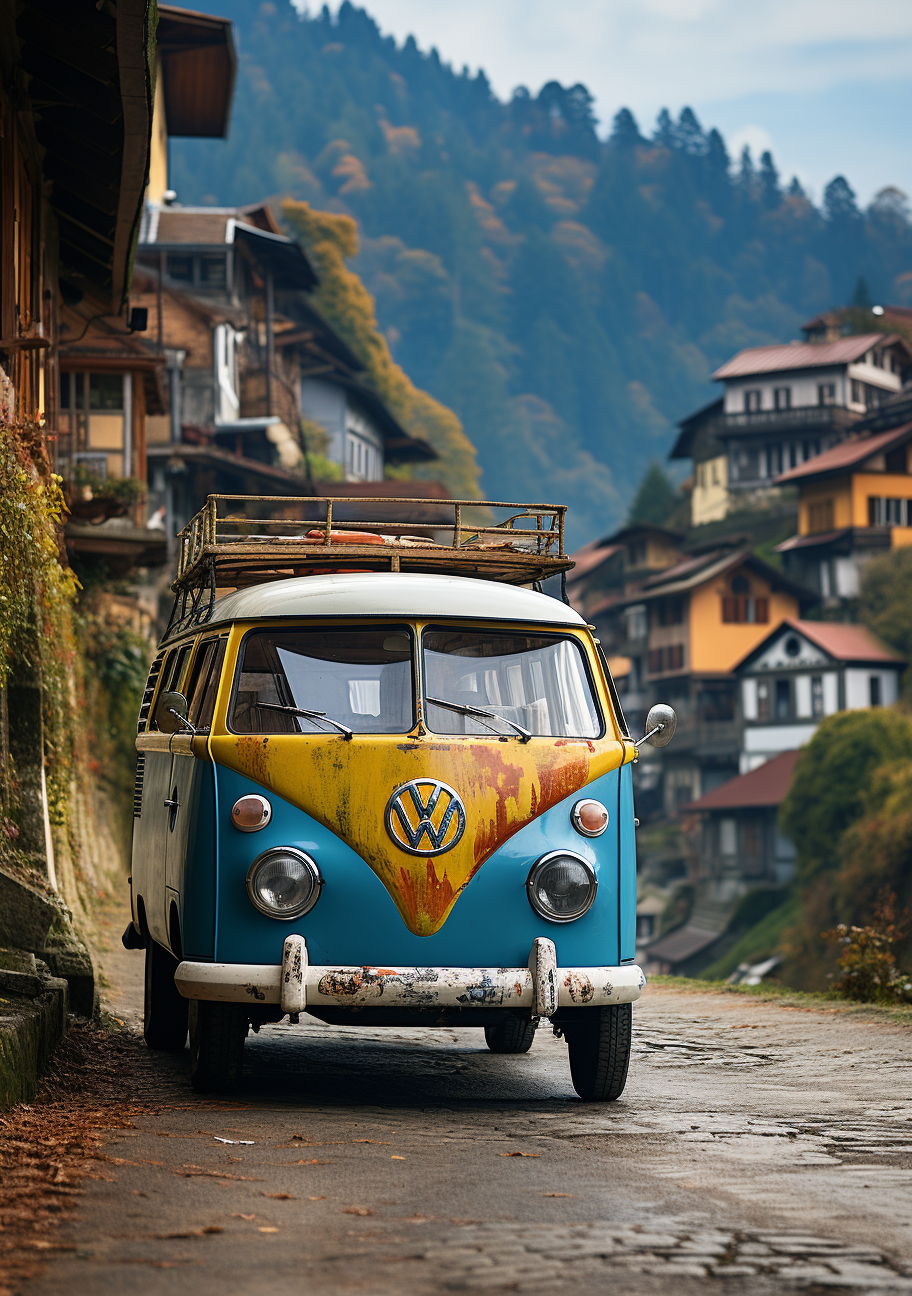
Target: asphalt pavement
x,y
760,1146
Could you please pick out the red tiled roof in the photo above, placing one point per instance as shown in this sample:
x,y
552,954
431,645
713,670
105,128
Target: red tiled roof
x,y
845,455
800,355
764,786
845,642
591,555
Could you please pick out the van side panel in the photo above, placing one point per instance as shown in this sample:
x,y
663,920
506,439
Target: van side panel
x,y
196,880
150,843
356,922
627,883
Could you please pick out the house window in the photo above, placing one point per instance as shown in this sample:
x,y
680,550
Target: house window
x,y
763,702
783,398
874,690
783,699
728,837
671,612
669,658
826,393
740,608
645,926
715,472
816,696
889,512
751,838
752,401
820,516
858,395
180,268
212,272
106,392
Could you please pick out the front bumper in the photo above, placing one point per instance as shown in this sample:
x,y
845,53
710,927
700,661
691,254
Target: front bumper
x,y
297,986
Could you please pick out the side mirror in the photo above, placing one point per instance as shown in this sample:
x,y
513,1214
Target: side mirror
x,y
171,714
661,723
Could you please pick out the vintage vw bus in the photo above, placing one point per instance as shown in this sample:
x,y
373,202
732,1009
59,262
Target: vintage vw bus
x,y
394,795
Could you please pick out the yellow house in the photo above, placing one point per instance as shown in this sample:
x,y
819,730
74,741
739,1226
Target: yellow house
x,y
855,500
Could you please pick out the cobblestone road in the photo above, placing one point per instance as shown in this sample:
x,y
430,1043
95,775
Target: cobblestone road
x,y
759,1147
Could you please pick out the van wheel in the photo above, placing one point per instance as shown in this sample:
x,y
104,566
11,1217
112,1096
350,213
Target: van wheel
x,y
513,1035
217,1034
599,1043
164,1007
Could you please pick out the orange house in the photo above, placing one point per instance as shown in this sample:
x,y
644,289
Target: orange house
x,y
855,500
690,625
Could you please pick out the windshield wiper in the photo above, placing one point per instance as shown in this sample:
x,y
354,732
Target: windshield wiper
x,y
309,715
464,709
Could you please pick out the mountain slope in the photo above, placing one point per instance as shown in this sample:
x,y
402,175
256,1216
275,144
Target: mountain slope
x,y
567,296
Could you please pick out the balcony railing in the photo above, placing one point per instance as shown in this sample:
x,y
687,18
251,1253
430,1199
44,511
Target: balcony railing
x,y
790,420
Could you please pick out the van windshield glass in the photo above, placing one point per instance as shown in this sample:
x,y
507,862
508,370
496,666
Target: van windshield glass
x,y
536,681
359,678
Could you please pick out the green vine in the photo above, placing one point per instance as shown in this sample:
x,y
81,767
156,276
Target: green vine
x,y
37,593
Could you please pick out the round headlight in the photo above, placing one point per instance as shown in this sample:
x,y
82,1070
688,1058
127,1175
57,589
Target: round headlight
x,y
251,813
590,818
284,883
561,886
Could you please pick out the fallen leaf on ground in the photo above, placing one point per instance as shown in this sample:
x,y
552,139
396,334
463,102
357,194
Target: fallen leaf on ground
x,y
557,1194
236,1215
312,1161
267,1228
526,1154
281,1196
323,1198
215,1174
397,1158
356,1210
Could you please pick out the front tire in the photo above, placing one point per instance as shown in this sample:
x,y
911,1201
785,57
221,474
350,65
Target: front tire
x,y
217,1034
599,1046
164,1007
512,1035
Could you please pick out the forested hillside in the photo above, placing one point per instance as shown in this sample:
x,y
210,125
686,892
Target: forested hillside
x,y
568,296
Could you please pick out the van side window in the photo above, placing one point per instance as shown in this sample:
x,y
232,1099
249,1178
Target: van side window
x,y
172,673
204,682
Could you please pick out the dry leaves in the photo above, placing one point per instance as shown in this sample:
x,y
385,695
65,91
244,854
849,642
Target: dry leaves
x,y
356,1210
525,1154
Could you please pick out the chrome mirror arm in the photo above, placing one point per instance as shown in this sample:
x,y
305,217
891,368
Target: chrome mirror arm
x,y
646,736
188,727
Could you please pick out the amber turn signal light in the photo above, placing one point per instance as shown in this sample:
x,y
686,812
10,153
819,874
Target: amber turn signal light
x,y
590,818
251,813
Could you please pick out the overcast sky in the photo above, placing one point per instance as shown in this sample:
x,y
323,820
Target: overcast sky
x,y
827,84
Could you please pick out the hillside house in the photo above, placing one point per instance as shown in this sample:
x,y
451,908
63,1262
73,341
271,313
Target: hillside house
x,y
783,405
740,850
684,629
855,501
804,671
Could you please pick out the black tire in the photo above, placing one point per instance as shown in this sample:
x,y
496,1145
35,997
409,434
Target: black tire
x,y
164,1007
217,1034
599,1045
512,1035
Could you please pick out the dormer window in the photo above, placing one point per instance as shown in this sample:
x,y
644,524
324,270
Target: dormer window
x,y
752,401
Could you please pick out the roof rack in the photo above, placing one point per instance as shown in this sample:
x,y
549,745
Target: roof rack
x,y
219,548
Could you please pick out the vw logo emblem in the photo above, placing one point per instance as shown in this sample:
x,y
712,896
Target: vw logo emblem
x,y
425,817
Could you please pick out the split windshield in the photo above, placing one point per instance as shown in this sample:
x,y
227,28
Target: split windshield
x,y
538,682
360,678
511,684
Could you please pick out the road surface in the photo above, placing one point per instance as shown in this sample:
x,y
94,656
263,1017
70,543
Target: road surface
x,y
760,1146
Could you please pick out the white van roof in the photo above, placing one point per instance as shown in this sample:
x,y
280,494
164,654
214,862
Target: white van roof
x,y
392,594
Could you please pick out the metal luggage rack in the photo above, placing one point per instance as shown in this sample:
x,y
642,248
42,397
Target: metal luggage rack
x,y
222,547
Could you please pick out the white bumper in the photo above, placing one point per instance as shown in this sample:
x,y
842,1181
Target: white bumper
x,y
297,985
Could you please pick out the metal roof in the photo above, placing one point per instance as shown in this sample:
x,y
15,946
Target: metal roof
x,y
801,355
392,594
764,786
845,455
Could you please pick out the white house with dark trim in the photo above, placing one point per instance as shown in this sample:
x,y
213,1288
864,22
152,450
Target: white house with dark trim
x,y
804,671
